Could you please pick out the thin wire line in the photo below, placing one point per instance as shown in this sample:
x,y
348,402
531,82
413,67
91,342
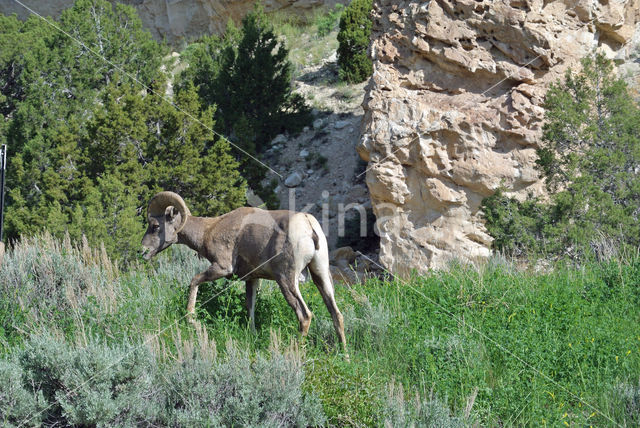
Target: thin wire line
x,y
463,106
147,341
163,97
504,349
462,321
467,103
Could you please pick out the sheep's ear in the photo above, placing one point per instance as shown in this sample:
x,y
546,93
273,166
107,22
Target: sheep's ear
x,y
170,213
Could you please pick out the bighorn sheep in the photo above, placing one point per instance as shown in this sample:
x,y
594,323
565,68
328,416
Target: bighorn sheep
x,y
251,243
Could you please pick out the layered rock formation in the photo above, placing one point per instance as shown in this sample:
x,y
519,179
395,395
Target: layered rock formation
x,y
177,20
454,110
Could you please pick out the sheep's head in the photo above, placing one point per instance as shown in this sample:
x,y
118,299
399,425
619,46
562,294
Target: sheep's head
x,y
167,214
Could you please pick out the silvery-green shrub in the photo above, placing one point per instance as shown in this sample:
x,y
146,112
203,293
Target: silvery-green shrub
x,y
17,404
239,391
627,402
418,411
95,385
45,279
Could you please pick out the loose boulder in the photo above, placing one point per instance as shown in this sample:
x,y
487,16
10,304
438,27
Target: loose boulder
x,y
293,180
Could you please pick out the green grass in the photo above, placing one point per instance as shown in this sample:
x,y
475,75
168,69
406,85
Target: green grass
x,y
518,348
309,39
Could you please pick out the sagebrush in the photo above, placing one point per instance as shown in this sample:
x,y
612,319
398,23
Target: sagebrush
x,y
491,346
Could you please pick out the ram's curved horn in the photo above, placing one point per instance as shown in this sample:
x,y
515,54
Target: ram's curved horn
x,y
159,203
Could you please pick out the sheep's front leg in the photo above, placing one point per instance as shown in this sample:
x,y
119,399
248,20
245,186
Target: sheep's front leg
x,y
211,274
252,288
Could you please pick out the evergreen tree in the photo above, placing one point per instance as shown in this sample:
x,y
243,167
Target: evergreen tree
x,y
253,87
140,145
354,38
190,160
88,147
247,76
53,86
205,62
589,159
119,43
108,214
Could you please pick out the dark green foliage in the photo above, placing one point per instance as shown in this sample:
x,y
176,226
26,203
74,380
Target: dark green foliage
x,y
329,21
516,227
589,159
247,75
87,146
151,144
205,61
253,87
354,38
592,134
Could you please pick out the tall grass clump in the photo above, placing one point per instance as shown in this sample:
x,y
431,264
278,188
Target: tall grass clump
x,y
241,390
495,346
625,404
44,280
367,324
417,411
52,285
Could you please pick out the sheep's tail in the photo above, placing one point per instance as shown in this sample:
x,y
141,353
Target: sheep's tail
x,y
314,235
316,240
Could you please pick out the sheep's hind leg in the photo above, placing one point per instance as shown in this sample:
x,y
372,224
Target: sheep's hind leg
x,y
291,292
322,279
252,288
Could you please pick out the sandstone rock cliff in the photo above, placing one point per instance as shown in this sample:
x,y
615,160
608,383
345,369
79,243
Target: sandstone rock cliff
x,y
454,110
177,20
